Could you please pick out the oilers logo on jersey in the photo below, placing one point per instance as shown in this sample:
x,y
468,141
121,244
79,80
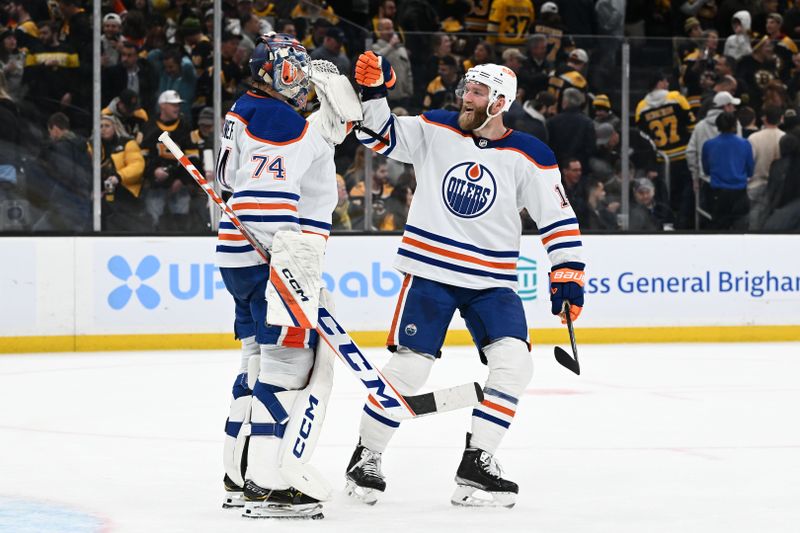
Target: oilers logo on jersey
x,y
469,189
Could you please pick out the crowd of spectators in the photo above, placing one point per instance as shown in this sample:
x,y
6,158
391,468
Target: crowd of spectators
x,y
695,64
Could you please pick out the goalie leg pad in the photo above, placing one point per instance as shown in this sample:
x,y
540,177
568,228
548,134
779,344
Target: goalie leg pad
x,y
304,428
295,279
510,372
408,371
238,415
266,430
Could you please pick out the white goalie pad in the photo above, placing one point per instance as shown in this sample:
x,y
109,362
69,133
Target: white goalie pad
x,y
338,91
295,279
234,446
305,425
328,124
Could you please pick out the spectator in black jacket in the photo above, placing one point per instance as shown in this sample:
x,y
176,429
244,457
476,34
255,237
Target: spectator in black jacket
x,y
66,173
132,72
571,133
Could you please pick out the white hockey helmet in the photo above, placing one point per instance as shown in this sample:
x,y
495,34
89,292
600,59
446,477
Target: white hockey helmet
x,y
500,80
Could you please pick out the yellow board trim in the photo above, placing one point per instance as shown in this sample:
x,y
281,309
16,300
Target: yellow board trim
x,y
222,341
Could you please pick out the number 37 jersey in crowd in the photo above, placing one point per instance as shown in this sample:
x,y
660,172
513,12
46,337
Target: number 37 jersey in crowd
x,y
281,173
464,225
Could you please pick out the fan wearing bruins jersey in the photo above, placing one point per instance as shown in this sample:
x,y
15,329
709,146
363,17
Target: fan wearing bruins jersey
x,y
478,16
569,76
510,20
667,118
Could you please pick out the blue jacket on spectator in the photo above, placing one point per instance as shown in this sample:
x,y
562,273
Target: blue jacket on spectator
x,y
184,84
728,159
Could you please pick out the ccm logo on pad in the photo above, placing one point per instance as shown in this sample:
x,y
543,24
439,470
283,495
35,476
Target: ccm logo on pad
x,y
294,284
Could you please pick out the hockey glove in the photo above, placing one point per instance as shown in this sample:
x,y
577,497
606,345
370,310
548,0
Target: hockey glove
x,y
566,285
375,75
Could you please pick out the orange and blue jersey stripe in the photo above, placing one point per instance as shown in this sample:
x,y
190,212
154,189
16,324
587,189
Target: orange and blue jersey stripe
x,y
432,249
561,234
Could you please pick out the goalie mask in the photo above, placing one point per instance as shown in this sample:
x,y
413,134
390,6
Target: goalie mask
x,y
500,80
280,61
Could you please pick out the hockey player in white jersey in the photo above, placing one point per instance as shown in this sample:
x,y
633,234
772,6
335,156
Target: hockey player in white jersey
x,y
459,252
282,177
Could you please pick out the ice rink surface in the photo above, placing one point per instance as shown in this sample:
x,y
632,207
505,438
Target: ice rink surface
x,y
651,438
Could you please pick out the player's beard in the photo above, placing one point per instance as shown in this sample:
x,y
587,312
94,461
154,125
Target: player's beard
x,y
471,120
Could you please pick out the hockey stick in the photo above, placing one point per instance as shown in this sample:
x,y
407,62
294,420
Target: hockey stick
x,y
382,394
562,356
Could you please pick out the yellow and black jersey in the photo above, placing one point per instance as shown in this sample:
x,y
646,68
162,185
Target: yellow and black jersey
x,y
478,16
553,36
511,20
784,50
55,57
560,82
668,120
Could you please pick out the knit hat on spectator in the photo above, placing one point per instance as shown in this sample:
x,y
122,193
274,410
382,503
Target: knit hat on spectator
x,y
336,34
548,7
579,54
206,117
170,97
112,17
642,184
604,132
129,99
190,26
602,100
723,98
690,23
5,32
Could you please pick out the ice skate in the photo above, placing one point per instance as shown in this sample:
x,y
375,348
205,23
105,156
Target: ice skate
x,y
480,482
365,480
234,495
286,503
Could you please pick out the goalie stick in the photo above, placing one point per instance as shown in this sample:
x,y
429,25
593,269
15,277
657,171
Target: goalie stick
x,y
562,356
381,392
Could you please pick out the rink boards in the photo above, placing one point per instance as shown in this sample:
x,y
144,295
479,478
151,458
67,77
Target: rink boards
x,y
126,293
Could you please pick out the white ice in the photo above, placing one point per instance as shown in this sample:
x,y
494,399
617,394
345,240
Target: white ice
x,y
650,438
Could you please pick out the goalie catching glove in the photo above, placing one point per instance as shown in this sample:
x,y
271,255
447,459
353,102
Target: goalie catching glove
x,y
375,75
566,285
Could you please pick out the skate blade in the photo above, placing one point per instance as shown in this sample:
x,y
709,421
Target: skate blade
x,y
363,494
465,496
309,511
233,499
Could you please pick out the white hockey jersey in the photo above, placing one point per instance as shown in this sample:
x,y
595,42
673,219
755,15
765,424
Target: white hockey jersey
x,y
281,173
464,226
